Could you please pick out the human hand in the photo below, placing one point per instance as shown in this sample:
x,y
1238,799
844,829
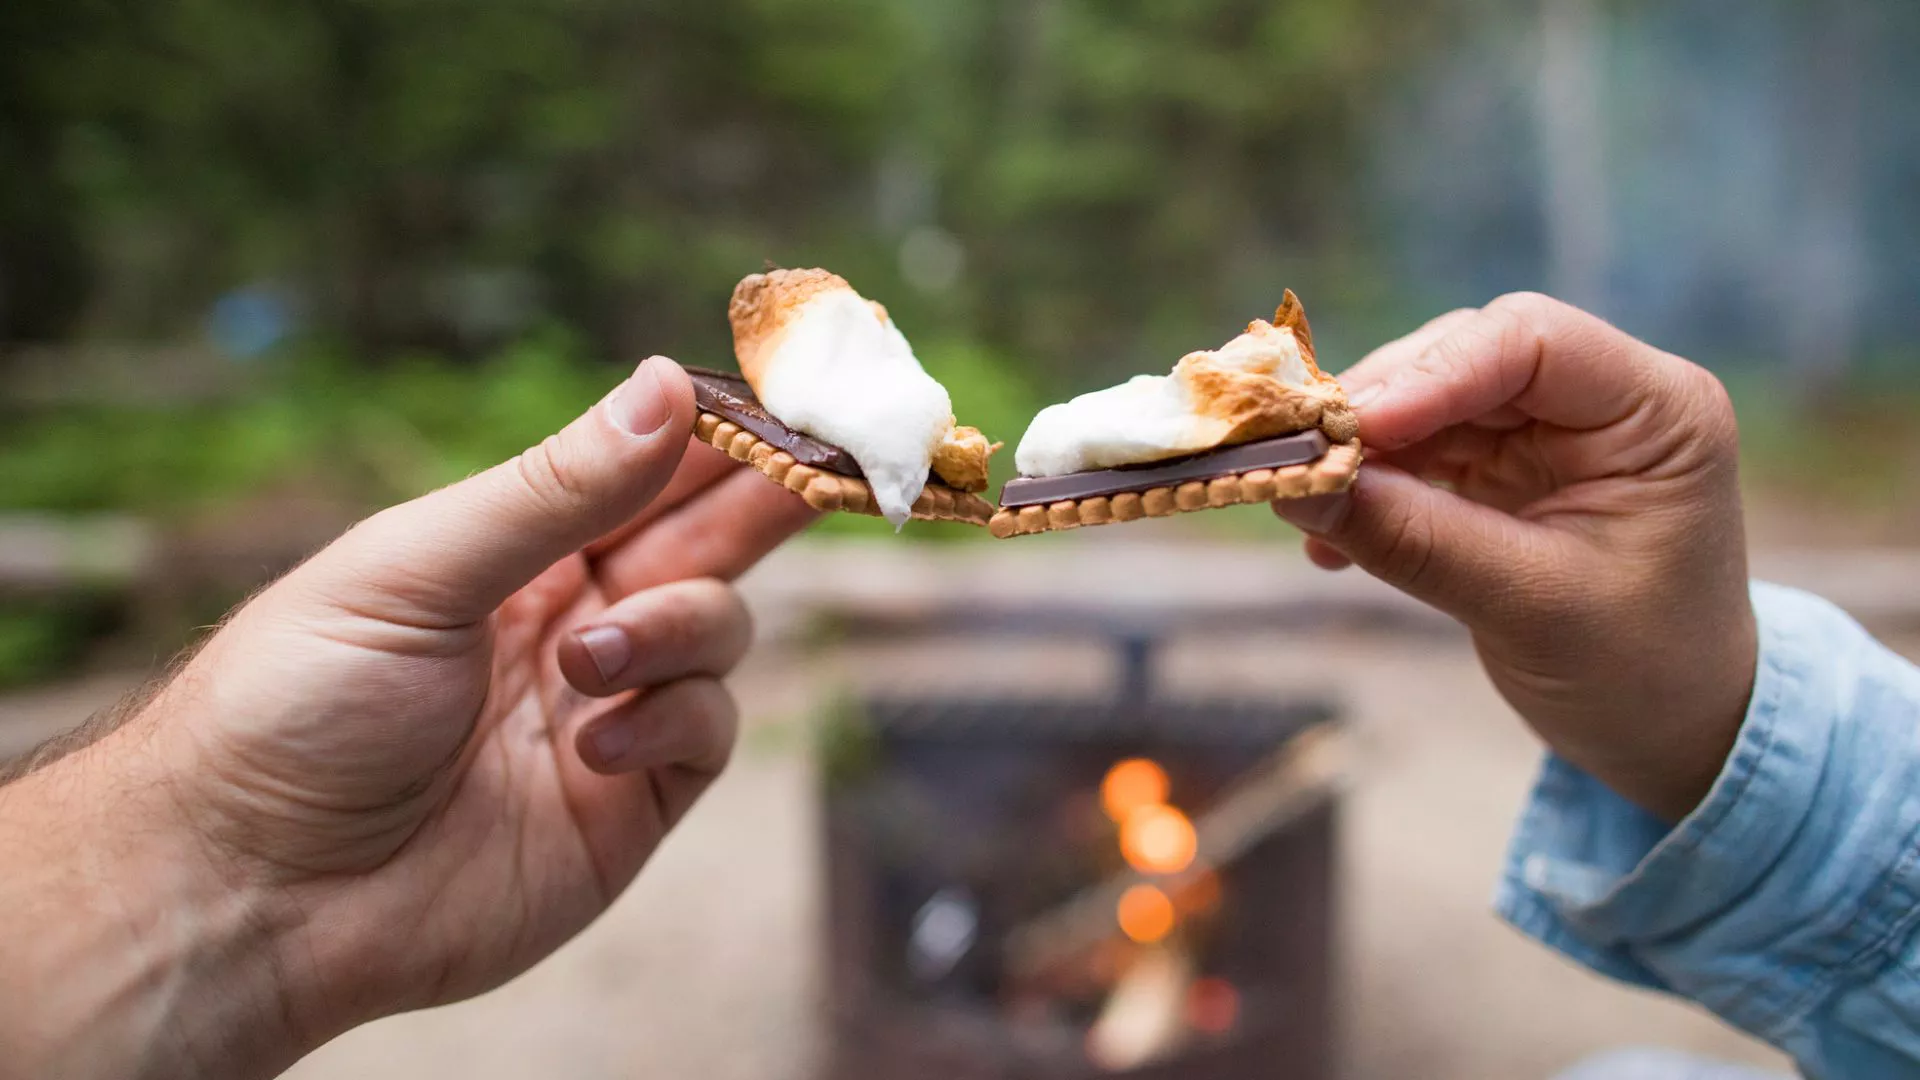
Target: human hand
x,y
412,767
1587,531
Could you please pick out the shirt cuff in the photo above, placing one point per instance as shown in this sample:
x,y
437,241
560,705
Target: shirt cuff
x,y
1786,874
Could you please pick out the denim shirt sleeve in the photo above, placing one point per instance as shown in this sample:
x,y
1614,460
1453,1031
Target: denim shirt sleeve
x,y
1787,901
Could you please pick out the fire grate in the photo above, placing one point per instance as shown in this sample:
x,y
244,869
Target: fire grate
x,y
1220,723
1068,887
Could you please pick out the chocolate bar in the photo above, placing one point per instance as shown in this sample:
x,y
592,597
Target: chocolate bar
x,y
1274,453
730,398
823,489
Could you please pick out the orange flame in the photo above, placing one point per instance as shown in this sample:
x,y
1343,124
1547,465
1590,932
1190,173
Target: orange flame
x,y
1158,840
1146,915
1130,785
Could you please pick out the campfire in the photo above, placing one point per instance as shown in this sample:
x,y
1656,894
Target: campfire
x,y
1030,887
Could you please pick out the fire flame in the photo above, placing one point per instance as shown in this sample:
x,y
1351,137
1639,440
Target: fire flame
x,y
1132,784
1146,915
1155,838
1158,840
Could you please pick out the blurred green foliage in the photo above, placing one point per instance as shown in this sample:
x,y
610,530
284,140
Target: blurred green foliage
x,y
368,435
479,214
45,635
32,641
1101,182
311,422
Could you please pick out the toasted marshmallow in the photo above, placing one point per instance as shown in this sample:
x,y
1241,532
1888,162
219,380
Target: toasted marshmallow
x,y
829,363
1261,384
960,461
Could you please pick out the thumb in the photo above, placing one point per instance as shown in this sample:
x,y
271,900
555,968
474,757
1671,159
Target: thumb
x,y
1524,356
1457,555
451,557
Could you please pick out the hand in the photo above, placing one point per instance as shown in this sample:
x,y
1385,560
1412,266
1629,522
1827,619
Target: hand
x,y
1586,528
412,767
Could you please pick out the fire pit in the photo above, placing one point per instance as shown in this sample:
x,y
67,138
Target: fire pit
x,y
1035,887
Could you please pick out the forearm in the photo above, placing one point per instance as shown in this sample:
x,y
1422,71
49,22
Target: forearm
x,y
124,949
1785,903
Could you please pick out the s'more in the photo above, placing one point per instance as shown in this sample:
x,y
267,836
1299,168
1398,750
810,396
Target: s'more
x,y
832,404
1252,421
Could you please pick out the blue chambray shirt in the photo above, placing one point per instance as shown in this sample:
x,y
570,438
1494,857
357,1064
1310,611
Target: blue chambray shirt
x,y
1787,901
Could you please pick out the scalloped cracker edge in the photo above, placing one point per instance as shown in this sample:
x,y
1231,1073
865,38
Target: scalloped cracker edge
x,y
827,491
1331,474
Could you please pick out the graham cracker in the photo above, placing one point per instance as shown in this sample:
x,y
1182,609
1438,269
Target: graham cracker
x,y
827,491
1332,473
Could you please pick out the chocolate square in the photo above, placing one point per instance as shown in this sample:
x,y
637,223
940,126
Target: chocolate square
x,y
1275,453
729,397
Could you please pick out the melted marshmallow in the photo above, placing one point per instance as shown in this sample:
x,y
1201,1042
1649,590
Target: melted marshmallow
x,y
842,374
1151,417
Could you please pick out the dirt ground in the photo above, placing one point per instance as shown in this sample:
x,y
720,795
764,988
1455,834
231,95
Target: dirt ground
x,y
710,966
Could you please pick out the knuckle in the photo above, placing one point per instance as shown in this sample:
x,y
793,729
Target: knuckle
x,y
1500,350
678,620
552,476
1531,308
701,617
1713,406
1522,317
714,594
1526,320
1465,361
1459,349
1715,401
1453,320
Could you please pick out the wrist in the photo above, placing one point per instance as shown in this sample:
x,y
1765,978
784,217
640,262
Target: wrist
x,y
1655,725
127,950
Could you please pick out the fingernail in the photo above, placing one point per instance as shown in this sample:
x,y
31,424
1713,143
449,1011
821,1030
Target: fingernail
x,y
612,742
1317,515
609,648
640,406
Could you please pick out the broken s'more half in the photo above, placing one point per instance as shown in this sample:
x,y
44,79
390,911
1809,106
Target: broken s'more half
x,y
832,404
1252,421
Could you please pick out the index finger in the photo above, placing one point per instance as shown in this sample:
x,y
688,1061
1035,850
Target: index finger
x,y
1549,361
